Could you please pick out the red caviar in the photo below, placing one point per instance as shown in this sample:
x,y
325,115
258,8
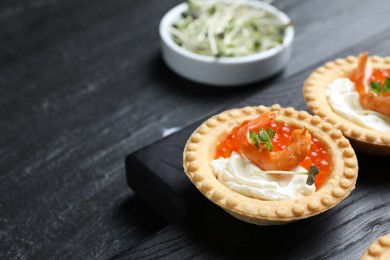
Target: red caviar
x,y
317,154
380,75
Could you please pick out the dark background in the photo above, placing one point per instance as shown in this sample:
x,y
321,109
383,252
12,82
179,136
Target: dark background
x,y
82,85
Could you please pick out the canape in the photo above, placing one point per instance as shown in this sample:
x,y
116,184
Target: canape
x,y
353,94
270,165
379,249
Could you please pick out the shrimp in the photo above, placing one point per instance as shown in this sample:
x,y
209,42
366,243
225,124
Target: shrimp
x,y
377,103
369,99
283,160
362,74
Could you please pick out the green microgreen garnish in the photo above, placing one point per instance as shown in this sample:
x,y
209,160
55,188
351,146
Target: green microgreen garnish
x,y
263,137
313,171
380,88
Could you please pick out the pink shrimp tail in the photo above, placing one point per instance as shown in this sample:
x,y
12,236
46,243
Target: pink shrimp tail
x,y
262,120
362,74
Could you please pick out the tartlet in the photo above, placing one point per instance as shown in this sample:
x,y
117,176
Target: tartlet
x,y
366,140
378,250
200,150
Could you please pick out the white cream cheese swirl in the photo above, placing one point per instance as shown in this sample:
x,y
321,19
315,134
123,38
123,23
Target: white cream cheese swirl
x,y
344,100
242,176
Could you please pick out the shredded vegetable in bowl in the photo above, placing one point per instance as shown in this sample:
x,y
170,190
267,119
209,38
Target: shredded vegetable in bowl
x,y
227,29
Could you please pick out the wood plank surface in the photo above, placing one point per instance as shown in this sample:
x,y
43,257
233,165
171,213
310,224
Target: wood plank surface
x,y
82,85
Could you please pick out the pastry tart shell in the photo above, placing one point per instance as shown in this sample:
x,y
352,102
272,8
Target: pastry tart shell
x,y
200,151
378,250
366,140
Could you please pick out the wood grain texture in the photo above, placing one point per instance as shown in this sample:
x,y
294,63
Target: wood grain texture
x,y
82,85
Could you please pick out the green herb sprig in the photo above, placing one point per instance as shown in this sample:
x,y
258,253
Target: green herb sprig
x,y
263,137
380,88
313,171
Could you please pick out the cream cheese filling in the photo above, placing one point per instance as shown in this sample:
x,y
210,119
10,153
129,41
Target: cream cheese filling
x,y
242,176
344,100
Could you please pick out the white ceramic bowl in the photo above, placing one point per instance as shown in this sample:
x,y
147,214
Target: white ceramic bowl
x,y
224,71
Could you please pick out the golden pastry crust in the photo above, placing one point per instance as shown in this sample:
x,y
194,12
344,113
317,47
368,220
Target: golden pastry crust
x,y
200,150
363,139
379,249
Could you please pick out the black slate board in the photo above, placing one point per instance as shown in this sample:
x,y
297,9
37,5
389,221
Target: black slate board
x,y
198,228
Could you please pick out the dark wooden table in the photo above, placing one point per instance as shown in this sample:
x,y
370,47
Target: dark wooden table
x,y
83,85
